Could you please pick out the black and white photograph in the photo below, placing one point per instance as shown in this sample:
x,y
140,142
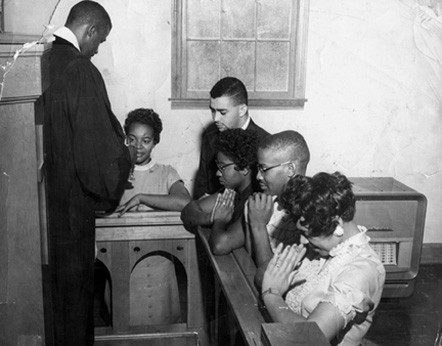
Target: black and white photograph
x,y
220,172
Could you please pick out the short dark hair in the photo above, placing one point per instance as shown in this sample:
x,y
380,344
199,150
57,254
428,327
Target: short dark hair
x,y
321,200
231,87
145,116
89,12
290,141
238,145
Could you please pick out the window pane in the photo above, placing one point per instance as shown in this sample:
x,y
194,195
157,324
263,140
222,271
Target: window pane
x,y
238,19
261,42
203,18
203,64
274,18
238,59
272,66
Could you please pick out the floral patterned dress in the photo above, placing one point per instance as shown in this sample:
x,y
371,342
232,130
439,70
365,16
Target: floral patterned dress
x,y
351,278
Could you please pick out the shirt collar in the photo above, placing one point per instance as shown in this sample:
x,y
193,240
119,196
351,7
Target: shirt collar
x,y
145,167
246,124
67,34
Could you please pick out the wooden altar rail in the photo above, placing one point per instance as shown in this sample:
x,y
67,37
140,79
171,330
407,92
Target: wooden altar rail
x,y
124,241
234,275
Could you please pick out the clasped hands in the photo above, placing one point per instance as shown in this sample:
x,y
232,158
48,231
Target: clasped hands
x,y
281,271
260,209
224,205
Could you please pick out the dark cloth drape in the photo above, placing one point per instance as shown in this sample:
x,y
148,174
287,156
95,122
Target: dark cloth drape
x,y
87,165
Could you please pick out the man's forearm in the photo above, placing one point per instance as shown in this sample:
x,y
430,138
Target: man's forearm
x,y
261,244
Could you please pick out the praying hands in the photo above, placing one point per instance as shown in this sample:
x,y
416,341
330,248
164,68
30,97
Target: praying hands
x,y
280,274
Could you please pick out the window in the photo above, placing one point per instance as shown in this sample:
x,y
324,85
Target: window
x,y
261,42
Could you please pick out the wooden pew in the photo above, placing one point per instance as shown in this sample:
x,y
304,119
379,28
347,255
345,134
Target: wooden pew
x,y
234,274
241,295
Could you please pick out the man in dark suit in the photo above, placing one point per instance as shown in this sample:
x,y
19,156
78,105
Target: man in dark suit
x,y
87,165
229,107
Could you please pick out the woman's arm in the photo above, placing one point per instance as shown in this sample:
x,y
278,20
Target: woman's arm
x,y
326,315
224,239
176,200
279,276
198,212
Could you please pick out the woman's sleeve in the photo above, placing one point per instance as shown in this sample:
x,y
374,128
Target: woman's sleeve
x,y
172,176
356,290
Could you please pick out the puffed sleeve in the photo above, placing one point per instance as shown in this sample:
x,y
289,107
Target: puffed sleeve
x,y
356,290
172,176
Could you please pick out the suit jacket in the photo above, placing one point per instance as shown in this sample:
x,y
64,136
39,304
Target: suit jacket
x,y
206,180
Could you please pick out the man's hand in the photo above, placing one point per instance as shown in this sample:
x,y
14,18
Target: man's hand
x,y
260,209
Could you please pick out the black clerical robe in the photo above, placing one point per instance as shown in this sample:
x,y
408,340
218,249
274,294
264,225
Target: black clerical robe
x,y
87,165
206,180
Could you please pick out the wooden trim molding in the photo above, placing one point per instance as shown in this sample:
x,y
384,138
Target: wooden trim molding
x,y
10,38
253,103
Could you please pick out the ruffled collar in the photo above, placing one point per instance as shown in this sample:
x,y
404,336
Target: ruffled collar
x,y
358,240
146,167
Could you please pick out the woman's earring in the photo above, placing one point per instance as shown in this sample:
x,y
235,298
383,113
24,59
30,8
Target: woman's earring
x,y
339,231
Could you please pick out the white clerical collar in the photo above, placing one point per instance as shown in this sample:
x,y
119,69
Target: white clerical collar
x,y
246,124
145,167
68,35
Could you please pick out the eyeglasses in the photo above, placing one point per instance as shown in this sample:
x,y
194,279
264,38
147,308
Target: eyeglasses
x,y
262,169
222,167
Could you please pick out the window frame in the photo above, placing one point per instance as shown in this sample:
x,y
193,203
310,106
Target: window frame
x,y
297,79
2,16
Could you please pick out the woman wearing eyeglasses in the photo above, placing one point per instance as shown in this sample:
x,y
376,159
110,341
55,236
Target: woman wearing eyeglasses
x,y
236,163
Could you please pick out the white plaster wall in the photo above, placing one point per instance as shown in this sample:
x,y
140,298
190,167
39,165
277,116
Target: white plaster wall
x,y
374,88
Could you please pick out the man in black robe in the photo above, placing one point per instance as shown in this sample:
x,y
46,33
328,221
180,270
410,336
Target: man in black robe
x,y
87,165
229,107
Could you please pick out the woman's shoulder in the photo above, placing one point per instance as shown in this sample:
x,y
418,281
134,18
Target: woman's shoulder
x,y
167,172
164,167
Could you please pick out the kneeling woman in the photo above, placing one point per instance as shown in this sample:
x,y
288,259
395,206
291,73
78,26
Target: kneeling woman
x,y
342,288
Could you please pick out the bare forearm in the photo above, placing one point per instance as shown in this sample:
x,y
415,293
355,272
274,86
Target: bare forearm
x,y
279,310
222,241
165,202
219,239
193,215
261,244
259,275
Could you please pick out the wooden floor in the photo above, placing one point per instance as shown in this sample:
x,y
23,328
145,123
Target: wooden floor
x,y
413,321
